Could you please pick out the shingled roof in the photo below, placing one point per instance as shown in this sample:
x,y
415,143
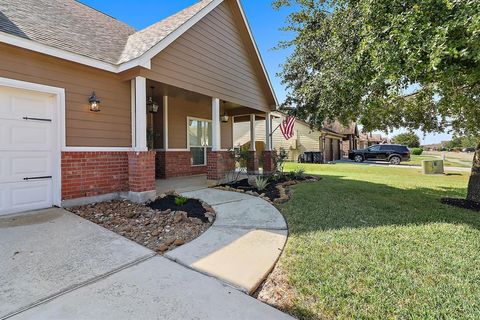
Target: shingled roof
x,y
72,26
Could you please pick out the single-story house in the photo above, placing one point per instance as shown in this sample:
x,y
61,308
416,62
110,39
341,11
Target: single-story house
x,y
305,139
92,109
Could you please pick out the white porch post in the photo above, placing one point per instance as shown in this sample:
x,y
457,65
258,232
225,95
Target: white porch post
x,y
268,132
216,143
252,132
165,123
140,114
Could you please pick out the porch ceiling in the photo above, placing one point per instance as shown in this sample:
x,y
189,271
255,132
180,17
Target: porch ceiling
x,y
232,109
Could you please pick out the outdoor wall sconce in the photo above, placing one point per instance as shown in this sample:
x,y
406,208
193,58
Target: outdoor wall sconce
x,y
94,103
152,105
225,117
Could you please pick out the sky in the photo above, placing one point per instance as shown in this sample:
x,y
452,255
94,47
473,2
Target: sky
x,y
264,21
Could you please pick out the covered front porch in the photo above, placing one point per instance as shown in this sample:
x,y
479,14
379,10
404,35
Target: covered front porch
x,y
191,135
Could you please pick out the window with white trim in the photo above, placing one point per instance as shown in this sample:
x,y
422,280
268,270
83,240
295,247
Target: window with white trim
x,y
199,140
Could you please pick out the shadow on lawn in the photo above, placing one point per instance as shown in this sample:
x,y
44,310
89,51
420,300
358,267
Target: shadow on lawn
x,y
336,203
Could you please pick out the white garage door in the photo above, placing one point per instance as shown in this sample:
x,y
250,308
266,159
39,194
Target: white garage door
x,y
27,150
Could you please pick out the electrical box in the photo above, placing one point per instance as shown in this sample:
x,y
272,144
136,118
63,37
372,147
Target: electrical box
x,y
432,167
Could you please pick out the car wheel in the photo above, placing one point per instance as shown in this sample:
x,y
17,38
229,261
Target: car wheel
x,y
395,160
358,158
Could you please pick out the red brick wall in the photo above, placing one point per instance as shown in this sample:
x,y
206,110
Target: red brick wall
x,y
252,162
218,164
86,174
269,161
176,164
141,169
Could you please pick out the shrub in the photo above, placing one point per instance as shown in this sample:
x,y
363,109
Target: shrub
x,y
180,201
261,183
280,159
417,151
298,174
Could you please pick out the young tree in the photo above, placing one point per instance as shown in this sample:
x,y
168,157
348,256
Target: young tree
x,y
410,139
356,59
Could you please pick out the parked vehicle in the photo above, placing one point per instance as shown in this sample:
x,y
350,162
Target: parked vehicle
x,y
470,149
393,153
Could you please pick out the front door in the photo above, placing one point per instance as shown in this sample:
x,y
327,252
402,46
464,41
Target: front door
x,y
27,150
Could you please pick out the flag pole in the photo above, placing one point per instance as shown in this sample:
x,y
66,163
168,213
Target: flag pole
x,y
271,134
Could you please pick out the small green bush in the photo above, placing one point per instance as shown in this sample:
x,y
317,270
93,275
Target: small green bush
x,y
417,151
298,174
261,183
180,201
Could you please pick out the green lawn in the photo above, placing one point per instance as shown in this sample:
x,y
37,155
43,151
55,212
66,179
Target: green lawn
x,y
375,243
417,161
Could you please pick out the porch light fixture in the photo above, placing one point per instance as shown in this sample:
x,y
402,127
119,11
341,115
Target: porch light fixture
x,y
151,104
225,117
94,103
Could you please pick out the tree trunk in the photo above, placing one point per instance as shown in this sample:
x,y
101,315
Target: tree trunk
x,y
473,192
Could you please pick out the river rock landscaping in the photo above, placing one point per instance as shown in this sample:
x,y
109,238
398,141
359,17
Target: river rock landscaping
x,y
160,225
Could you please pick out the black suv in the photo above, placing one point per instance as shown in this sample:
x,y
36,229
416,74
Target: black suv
x,y
393,153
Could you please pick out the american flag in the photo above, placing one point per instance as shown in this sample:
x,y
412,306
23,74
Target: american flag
x,y
287,127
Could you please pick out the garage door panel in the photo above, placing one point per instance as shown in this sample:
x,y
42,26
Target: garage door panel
x,y
25,135
14,166
24,196
16,104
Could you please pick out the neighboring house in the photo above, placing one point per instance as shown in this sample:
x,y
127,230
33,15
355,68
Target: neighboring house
x,y
62,61
350,135
369,139
304,139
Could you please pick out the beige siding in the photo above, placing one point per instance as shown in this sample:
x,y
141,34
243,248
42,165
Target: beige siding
x,y
212,58
303,140
179,109
109,128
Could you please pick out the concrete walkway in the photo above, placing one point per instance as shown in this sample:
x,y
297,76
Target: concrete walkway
x,y
243,244
55,265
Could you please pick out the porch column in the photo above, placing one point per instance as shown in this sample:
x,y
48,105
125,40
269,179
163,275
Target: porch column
x,y
269,156
252,163
219,162
268,132
252,132
140,114
165,123
216,142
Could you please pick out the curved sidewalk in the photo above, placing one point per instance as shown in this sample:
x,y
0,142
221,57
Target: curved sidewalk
x,y
243,244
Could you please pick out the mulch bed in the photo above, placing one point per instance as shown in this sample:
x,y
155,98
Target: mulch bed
x,y
271,191
160,230
274,191
193,207
462,203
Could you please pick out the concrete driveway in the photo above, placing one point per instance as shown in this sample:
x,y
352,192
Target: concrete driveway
x,y
55,265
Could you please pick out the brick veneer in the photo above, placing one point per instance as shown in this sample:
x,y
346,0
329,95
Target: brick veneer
x,y
172,164
269,162
87,174
252,162
218,164
141,171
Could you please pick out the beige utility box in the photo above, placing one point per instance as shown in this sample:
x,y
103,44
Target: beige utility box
x,y
432,166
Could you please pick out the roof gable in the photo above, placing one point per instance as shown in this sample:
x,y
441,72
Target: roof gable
x,y
216,57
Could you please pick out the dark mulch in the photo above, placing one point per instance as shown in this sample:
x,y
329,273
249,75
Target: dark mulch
x,y
193,207
270,191
462,203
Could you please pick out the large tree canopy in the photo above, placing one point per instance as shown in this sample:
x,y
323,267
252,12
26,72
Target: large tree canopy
x,y
358,59
355,59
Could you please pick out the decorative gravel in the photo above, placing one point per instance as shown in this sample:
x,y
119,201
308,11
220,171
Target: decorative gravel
x,y
158,230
